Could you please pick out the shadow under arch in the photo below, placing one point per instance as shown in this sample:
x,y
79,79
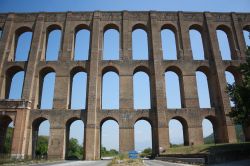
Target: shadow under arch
x,y
170,27
235,72
140,26
111,26
81,27
196,27
5,121
142,68
110,69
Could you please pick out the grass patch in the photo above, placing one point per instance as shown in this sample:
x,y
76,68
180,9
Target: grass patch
x,y
208,148
10,162
123,160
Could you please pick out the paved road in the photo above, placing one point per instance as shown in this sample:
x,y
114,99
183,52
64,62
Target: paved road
x,y
162,163
77,163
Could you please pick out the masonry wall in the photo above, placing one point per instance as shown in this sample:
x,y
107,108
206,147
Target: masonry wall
x,y
27,115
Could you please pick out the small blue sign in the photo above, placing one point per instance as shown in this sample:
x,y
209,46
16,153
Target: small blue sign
x,y
133,154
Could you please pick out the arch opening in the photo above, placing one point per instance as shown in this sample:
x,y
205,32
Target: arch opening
x,y
53,45
196,44
140,45
111,44
203,90
224,45
110,90
246,34
169,45
78,91
109,138
173,90
178,132
47,90
208,131
143,136
6,134
15,85
1,33
141,90
230,79
23,45
74,140
82,43
40,138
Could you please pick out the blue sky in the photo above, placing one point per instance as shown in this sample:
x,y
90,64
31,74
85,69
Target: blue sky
x,y
111,49
89,5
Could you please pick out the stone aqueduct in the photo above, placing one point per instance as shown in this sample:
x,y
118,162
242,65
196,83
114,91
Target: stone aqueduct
x,y
27,116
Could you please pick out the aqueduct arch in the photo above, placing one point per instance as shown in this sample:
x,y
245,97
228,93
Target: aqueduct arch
x,y
26,111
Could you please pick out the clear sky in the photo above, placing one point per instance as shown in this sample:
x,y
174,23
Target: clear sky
x,y
142,128
89,5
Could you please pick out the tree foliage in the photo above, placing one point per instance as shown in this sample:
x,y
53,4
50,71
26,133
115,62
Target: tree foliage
x,y
240,94
8,140
75,150
146,152
108,153
42,145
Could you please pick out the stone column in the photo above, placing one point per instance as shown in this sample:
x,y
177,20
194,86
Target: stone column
x,y
20,138
62,90
239,38
195,131
126,138
158,98
56,148
68,40
126,78
190,95
126,38
92,134
5,49
30,82
126,92
222,104
184,39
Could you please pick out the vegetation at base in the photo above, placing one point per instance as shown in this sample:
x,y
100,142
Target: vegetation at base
x,y
209,139
42,146
8,140
239,135
240,94
208,148
123,160
75,150
108,153
146,153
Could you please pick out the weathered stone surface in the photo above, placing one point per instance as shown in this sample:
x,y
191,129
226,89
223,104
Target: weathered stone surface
x,y
27,116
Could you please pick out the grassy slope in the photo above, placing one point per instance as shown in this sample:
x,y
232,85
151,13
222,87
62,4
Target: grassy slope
x,y
208,148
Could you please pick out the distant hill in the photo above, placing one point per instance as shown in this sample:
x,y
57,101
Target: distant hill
x,y
239,133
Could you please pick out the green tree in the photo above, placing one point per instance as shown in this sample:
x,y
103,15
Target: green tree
x,y
146,152
8,140
75,150
107,153
240,95
42,145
